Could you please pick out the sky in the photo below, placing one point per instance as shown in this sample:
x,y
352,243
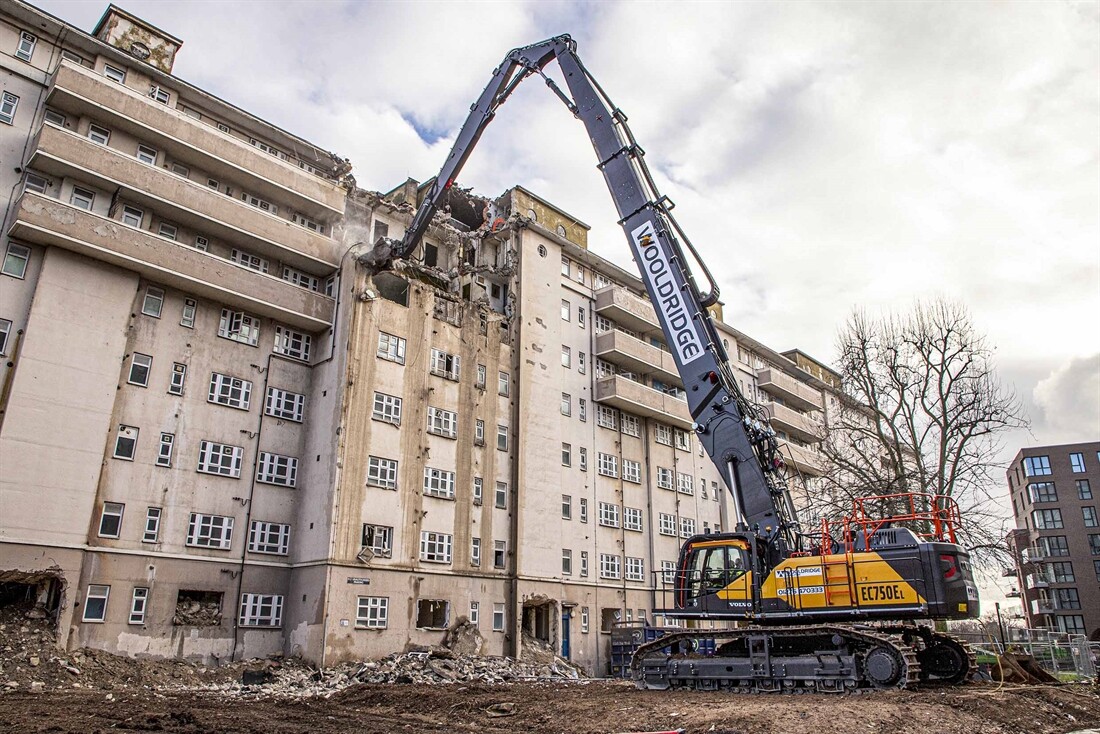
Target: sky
x,y
823,157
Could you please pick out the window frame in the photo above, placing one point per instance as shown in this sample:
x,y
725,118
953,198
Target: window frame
x,y
107,510
153,302
96,592
141,368
372,612
24,49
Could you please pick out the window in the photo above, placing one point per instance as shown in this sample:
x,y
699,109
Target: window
x,y
140,365
137,604
285,404
1054,545
1096,569
680,439
269,537
603,324
220,458
475,610
664,478
5,330
445,365
153,303
687,527
16,259
584,564
500,549
582,458
566,357
607,417
610,566
110,520
567,507
114,73
1066,599
1063,572
126,443
502,383
1042,492
179,376
584,620
500,496
381,472
229,391
667,524
635,569
632,519
439,483
631,425
1077,463
475,551
300,279
159,94
1094,545
36,183
261,610
502,438
387,408
1036,466
277,469
210,531
1047,519
1089,514
72,57
608,464
714,491
291,343
379,538
372,612
609,515
259,203
25,49
99,135
181,170
82,198
632,471
566,454
566,404
147,155
248,260
435,547
201,243
432,613
442,422
663,434
581,366
167,231
306,222
565,266
566,562
566,310
1071,624
132,217
498,617
152,525
1084,491
391,348
239,327
95,602
685,483
668,571
481,376
582,409
164,453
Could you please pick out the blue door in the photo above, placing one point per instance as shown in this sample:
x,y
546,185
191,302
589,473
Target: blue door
x,y
566,615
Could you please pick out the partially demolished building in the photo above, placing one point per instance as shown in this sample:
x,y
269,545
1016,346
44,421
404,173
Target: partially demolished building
x,y
228,431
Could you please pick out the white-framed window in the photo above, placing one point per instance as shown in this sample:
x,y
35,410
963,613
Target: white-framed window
x,y
181,170
147,155
220,458
168,231
152,525
500,553
331,284
99,135
631,425
308,223
82,198
285,404
126,443
565,266
178,378
567,507
584,564
160,94
611,566
607,464
632,519
609,515
379,538
248,260
607,417
269,149
114,73
110,519
714,491
140,366
392,348
662,434
702,488
680,439
75,58
301,279
582,458
138,601
479,490
582,366
292,343
132,216
239,327
95,602
479,432
668,571
585,619
372,612
632,471
482,373
566,562
475,612
5,331
685,483
202,243
435,547
566,404
442,422
277,469
566,310
445,365
602,323
666,524
439,483
15,260
164,453
566,454
387,408
210,531
269,537
687,527
259,203
502,438
25,49
582,509
503,383
230,391
261,610
381,472
664,478
635,569
500,496
475,551
34,182
604,369
498,616
566,357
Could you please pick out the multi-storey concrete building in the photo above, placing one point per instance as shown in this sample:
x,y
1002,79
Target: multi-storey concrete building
x,y
1057,538
225,434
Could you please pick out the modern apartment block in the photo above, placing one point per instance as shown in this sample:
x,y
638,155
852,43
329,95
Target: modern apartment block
x,y
1057,538
226,434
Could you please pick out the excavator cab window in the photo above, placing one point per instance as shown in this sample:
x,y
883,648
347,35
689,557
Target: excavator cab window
x,y
716,567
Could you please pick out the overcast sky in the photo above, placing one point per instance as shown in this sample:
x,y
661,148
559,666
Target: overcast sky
x,y
823,157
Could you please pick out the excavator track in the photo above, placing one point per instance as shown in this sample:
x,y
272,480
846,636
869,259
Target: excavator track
x,y
810,659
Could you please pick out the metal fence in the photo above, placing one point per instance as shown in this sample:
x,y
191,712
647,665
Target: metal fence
x,y
1065,656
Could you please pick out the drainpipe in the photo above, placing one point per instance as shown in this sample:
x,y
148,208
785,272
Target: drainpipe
x,y
511,584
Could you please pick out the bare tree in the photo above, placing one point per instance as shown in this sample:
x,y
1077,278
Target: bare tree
x,y
922,411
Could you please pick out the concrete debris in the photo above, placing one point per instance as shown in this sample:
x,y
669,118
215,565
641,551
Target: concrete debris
x,y
501,709
464,638
198,609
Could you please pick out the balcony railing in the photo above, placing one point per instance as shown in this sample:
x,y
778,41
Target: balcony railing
x,y
635,355
638,399
793,392
795,423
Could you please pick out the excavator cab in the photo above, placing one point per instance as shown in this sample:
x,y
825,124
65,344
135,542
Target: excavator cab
x,y
715,574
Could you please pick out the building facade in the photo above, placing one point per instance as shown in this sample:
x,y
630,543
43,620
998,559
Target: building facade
x,y
226,434
1056,543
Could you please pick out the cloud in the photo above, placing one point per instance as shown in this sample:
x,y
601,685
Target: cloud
x,y
1069,399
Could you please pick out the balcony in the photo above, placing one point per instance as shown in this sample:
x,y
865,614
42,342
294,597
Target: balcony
x,y
1042,606
1037,581
44,221
793,392
635,355
1035,554
81,91
794,423
628,310
624,394
803,459
62,153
